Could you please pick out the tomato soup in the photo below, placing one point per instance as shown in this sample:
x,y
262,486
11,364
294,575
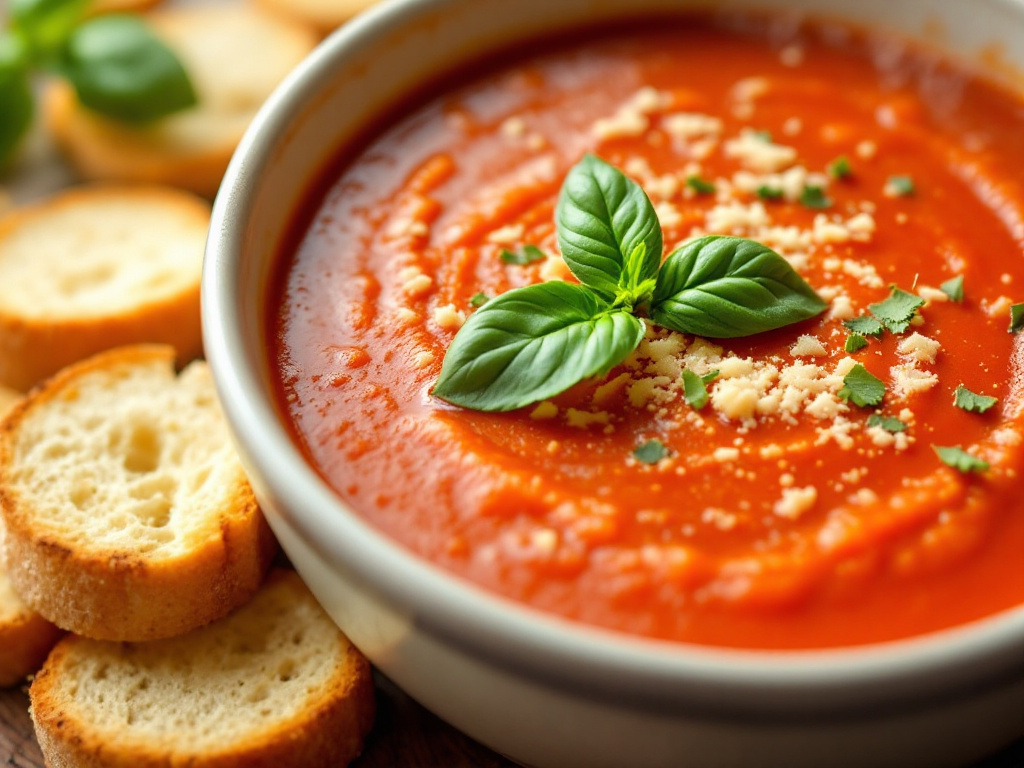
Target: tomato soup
x,y
780,513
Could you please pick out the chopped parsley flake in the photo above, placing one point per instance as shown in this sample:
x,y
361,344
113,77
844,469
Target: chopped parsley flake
x,y
1016,317
695,389
900,186
479,299
769,193
896,312
528,254
888,423
651,452
814,197
862,388
959,459
699,185
969,401
954,288
765,136
864,326
855,342
840,168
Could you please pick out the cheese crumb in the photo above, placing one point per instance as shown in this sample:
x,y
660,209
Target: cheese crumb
x,y
508,235
414,282
918,347
686,125
583,419
909,380
795,502
725,454
449,317
544,410
808,346
756,154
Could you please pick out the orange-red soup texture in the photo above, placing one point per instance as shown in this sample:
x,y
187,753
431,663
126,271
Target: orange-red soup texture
x,y
779,519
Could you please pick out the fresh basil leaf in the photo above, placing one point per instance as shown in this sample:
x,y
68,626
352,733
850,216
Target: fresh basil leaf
x,y
957,458
478,300
532,343
888,423
16,104
855,342
840,168
954,288
46,24
120,69
1016,317
710,376
969,401
602,217
896,312
725,287
865,326
695,390
861,387
815,197
651,452
900,186
699,185
769,193
528,254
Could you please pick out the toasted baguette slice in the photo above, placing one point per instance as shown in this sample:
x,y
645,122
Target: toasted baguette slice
x,y
324,15
95,268
235,55
274,685
8,399
128,515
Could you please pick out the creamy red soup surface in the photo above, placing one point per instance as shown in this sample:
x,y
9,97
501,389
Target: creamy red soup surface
x,y
781,514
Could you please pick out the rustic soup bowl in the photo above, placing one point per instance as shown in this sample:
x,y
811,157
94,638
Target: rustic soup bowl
x,y
542,690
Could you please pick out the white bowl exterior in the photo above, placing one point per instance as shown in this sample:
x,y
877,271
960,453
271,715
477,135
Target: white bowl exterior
x,y
530,686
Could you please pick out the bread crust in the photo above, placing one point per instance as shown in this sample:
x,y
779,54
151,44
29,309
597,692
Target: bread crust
x,y
324,15
115,594
327,731
25,642
33,348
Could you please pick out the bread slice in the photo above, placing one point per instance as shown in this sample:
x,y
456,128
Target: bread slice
x,y
128,515
8,399
99,267
274,685
235,54
324,15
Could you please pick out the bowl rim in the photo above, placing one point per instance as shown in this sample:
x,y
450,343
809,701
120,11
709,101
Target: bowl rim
x,y
598,664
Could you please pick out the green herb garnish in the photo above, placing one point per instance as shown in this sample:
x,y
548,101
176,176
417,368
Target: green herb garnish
x,y
969,401
959,459
479,299
954,288
1016,317
840,168
865,326
651,452
769,193
900,186
896,312
814,197
862,388
855,342
116,65
532,343
888,423
528,254
765,136
699,185
695,389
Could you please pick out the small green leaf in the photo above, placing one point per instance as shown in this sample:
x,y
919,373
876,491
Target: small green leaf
x,y
651,452
16,104
725,287
900,186
46,25
479,299
695,389
896,312
862,388
769,193
865,326
888,423
699,185
602,217
528,254
532,343
855,342
954,288
765,136
969,401
710,376
1016,317
814,197
840,168
122,70
959,459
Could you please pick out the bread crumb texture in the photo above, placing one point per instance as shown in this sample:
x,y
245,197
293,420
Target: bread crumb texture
x,y
273,684
128,514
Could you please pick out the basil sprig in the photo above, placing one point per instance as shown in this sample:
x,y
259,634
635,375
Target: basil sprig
x,y
535,342
116,65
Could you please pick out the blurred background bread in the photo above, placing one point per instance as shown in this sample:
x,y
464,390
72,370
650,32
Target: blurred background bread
x,y
323,15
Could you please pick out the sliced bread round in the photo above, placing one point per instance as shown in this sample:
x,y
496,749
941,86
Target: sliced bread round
x,y
274,685
324,15
98,267
235,54
127,512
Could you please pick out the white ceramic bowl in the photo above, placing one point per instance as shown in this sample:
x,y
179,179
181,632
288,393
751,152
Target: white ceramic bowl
x,y
541,690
